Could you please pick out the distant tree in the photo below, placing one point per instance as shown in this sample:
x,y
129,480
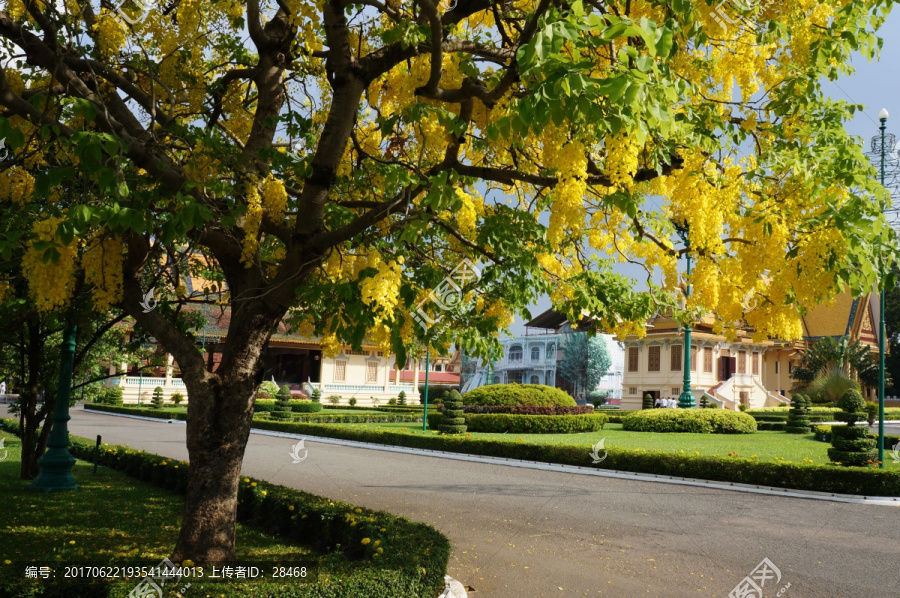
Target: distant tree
x,y
585,362
282,408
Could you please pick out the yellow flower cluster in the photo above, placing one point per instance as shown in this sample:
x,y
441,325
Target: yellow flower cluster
x,y
274,198
331,346
570,161
382,289
51,285
16,185
102,264
251,225
622,153
111,33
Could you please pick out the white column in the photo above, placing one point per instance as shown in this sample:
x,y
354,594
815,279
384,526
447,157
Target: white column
x,y
387,373
169,369
416,378
124,369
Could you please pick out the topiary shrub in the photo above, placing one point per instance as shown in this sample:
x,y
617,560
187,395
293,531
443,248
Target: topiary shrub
x,y
177,398
704,401
871,412
851,444
306,407
334,399
401,398
316,395
392,401
518,394
112,396
798,418
352,401
648,401
452,420
702,421
282,408
157,401
743,407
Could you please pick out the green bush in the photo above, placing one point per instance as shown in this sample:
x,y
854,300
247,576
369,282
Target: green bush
x,y
282,408
352,401
316,395
851,444
648,401
269,388
306,407
704,401
452,420
334,399
852,406
517,394
703,421
401,398
499,423
743,407
712,406
798,418
111,396
392,401
177,398
157,401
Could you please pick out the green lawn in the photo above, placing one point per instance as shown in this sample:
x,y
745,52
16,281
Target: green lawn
x,y
112,517
765,446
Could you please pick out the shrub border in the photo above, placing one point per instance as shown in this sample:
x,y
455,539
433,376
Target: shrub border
x,y
417,553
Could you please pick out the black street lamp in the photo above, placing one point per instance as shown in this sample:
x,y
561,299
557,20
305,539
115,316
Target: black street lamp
x,y
686,399
882,116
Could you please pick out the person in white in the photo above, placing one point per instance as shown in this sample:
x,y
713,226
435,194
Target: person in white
x,y
3,391
656,403
672,403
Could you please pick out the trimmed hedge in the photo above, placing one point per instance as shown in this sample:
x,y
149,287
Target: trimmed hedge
x,y
269,406
324,418
534,424
702,421
518,394
413,561
530,409
800,476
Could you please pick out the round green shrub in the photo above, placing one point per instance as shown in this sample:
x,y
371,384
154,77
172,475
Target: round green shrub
x,y
702,421
352,401
850,432
853,406
306,407
852,458
177,398
499,423
518,394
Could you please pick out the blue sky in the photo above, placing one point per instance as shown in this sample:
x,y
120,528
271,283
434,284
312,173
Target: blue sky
x,y
874,85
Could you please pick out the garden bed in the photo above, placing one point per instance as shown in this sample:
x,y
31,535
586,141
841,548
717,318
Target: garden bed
x,y
412,561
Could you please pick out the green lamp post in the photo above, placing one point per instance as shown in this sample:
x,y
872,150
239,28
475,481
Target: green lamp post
x,y
686,399
882,116
425,408
56,464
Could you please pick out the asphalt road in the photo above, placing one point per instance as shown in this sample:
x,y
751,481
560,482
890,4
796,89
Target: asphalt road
x,y
528,533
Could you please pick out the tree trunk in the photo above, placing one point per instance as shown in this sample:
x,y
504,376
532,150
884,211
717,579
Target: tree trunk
x,y
218,426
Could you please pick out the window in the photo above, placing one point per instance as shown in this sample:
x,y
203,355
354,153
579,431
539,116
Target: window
x,y
676,391
653,359
549,379
632,359
675,357
515,377
755,364
707,359
363,353
745,397
515,353
535,380
632,390
742,362
776,367
371,371
551,351
438,367
693,358
340,370
535,354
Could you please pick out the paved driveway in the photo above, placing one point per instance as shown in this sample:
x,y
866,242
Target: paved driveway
x,y
528,533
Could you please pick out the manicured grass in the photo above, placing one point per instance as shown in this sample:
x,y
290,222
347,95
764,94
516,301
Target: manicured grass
x,y
114,519
766,446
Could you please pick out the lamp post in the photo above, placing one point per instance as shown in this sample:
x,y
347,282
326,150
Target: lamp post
x,y
882,116
425,408
56,464
686,399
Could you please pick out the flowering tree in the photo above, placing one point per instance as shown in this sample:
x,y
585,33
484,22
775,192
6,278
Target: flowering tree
x,y
330,162
585,361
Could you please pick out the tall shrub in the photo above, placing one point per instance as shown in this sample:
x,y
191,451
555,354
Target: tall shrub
x,y
401,398
283,404
851,444
316,395
453,420
648,401
798,418
157,401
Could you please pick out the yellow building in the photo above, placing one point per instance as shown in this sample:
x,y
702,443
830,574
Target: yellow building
x,y
757,374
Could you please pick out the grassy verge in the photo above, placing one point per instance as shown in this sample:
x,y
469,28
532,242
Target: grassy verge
x,y
56,529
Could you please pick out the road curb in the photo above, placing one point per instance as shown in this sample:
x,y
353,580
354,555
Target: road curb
x,y
623,475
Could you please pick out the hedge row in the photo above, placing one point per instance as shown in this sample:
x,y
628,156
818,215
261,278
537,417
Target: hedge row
x,y
267,405
337,418
863,481
413,557
701,421
530,409
518,394
500,423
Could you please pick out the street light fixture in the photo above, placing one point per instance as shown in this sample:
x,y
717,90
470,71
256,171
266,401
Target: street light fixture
x,y
686,399
882,116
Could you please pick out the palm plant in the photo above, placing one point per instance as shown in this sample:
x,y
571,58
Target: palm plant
x,y
831,385
854,359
